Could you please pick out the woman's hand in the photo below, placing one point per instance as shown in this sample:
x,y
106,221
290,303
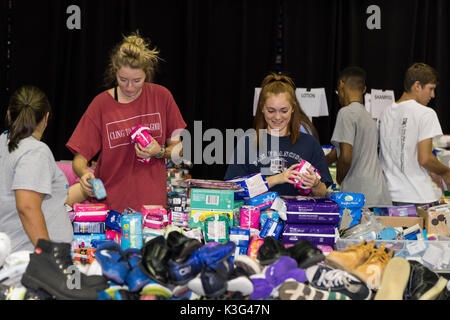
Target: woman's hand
x,y
150,151
86,185
309,180
284,177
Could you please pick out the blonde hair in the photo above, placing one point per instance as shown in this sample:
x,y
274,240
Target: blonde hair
x,y
276,84
134,51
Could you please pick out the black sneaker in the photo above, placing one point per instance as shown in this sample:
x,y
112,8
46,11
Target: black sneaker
x,y
423,284
305,254
335,280
270,251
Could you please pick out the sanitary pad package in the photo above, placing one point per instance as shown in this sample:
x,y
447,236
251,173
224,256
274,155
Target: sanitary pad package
x,y
314,233
350,208
311,210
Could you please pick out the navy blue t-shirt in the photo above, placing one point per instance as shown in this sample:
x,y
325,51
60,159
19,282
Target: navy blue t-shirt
x,y
269,161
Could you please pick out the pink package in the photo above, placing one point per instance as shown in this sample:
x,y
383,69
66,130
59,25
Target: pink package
x,y
154,217
113,235
141,135
249,217
89,207
301,168
92,212
253,248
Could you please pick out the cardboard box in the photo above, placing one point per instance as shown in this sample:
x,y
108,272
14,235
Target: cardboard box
x,y
397,222
435,222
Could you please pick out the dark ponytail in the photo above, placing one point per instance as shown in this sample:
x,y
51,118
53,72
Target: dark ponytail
x,y
28,105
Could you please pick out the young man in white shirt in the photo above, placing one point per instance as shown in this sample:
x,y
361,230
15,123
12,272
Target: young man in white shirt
x,y
407,129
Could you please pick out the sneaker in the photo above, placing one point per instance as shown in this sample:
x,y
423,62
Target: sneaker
x,y
12,293
154,288
305,254
371,271
181,246
209,283
270,251
335,280
293,290
423,284
135,278
394,280
261,287
284,268
182,272
210,255
114,266
155,256
251,266
351,257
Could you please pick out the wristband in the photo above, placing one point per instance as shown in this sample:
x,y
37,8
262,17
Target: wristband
x,y
161,152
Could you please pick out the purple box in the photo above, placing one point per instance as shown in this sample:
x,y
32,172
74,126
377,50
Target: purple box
x,y
311,210
314,233
402,211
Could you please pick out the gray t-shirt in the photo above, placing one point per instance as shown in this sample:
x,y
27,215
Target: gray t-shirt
x,y
32,167
355,126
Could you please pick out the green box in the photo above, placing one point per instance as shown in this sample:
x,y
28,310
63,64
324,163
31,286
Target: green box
x,y
210,201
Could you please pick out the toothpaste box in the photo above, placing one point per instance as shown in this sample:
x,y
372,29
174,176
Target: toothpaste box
x,y
314,233
311,210
88,227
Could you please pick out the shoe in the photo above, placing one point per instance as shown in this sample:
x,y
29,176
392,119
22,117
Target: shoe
x,y
209,283
51,269
12,293
371,271
239,281
251,266
305,254
181,273
126,295
335,280
212,254
423,284
394,280
261,287
293,290
284,268
270,251
135,278
351,257
181,246
154,288
155,257
110,256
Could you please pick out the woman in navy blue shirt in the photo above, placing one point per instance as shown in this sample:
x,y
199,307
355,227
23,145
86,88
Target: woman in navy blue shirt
x,y
278,145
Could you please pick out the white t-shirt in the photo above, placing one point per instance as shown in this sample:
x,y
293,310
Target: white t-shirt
x,y
402,126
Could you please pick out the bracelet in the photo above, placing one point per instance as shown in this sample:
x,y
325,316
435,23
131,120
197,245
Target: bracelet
x,y
161,153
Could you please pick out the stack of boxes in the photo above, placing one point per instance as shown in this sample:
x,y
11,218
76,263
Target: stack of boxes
x,y
89,228
312,219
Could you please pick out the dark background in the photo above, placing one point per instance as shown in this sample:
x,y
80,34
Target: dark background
x,y
216,52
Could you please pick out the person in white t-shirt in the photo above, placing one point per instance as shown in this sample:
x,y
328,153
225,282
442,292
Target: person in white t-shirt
x,y
406,130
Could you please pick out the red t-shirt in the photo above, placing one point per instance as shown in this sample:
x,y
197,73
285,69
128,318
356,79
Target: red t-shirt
x,y
106,126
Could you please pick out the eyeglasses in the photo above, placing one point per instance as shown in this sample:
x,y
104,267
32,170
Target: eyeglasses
x,y
439,218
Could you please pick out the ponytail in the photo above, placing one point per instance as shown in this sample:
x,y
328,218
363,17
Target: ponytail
x,y
27,107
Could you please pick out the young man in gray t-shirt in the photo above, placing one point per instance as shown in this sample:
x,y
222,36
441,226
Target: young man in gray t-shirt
x,y
355,137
